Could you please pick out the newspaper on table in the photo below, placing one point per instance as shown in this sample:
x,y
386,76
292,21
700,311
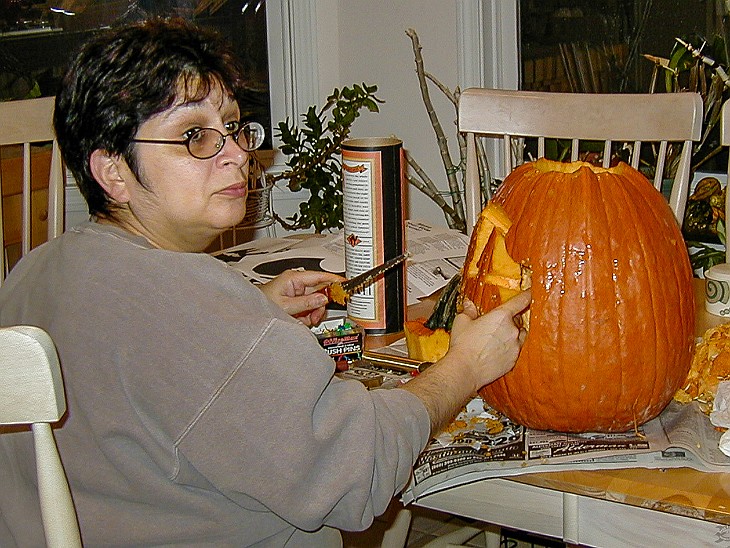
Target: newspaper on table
x,y
481,443
436,255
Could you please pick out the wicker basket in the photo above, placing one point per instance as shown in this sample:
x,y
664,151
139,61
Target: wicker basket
x,y
258,208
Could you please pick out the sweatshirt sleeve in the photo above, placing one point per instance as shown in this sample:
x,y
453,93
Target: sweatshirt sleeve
x,y
283,433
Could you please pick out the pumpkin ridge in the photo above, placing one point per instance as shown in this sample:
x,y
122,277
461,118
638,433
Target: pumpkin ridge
x,y
602,236
651,262
680,270
574,204
536,366
593,233
617,202
593,215
667,361
539,361
641,204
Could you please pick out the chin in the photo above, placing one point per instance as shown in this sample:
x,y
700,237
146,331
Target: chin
x,y
231,219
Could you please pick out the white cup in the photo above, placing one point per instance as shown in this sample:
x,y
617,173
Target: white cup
x,y
717,290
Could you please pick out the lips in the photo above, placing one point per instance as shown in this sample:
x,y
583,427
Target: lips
x,y
239,190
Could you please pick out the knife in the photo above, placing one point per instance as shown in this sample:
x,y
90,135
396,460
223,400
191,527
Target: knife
x,y
340,292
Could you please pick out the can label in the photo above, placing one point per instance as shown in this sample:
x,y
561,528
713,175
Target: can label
x,y
374,230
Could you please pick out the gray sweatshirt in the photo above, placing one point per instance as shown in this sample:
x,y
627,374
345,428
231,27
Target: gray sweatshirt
x,y
199,413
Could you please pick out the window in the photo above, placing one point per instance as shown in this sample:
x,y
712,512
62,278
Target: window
x,y
38,39
599,46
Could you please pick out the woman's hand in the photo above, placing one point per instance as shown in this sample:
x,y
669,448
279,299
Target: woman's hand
x,y
295,291
482,349
491,343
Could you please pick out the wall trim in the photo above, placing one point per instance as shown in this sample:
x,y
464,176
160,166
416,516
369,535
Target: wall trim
x,y
470,44
293,77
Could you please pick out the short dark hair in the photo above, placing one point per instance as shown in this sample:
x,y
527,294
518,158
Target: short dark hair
x,y
125,75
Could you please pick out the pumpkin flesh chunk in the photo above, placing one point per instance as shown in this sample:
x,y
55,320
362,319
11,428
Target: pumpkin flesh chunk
x,y
429,345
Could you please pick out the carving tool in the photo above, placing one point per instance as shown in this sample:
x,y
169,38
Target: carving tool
x,y
340,292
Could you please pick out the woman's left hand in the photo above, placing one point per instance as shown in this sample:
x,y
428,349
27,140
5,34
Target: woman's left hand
x,y
295,291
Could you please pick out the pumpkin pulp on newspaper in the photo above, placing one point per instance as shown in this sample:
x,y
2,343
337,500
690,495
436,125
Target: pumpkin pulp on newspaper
x,y
611,323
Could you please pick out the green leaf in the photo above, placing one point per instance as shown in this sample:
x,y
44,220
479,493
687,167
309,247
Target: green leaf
x,y
313,149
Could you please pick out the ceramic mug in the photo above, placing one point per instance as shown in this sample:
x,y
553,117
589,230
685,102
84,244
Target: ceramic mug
x,y
717,290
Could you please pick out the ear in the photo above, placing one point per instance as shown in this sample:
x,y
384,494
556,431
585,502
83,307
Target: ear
x,y
112,174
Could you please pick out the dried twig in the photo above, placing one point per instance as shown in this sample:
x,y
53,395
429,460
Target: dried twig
x,y
424,183
454,215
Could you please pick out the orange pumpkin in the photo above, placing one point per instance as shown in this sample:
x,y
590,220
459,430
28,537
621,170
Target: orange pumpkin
x,y
612,315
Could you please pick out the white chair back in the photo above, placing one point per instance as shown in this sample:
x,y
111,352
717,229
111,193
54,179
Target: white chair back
x,y
664,119
32,200
31,392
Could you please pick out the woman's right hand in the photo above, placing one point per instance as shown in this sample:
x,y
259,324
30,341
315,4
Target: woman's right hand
x,y
482,349
492,342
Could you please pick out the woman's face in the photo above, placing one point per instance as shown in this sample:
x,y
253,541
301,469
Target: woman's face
x,y
180,202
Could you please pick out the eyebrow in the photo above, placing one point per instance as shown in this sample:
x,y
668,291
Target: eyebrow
x,y
227,107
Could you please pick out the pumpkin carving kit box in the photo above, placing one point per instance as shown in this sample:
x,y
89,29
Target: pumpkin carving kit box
x,y
344,341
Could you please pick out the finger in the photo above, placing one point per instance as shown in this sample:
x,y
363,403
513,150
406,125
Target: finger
x,y
470,309
521,336
316,277
317,315
305,304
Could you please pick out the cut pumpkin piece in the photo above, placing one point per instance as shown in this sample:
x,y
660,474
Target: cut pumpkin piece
x,y
423,343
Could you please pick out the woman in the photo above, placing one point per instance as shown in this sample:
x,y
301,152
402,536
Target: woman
x,y
199,411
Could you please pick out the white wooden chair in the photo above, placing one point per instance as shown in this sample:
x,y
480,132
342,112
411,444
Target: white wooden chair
x,y
615,119
31,392
32,199
663,119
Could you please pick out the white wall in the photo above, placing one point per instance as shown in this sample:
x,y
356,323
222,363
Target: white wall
x,y
365,41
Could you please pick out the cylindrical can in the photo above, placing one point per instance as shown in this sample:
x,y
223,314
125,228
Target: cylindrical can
x,y
717,290
372,181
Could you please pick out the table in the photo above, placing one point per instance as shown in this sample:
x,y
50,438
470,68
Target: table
x,y
607,508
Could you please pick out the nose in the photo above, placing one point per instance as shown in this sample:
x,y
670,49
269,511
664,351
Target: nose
x,y
232,153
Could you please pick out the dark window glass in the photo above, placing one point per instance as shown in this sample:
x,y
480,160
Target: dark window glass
x,y
599,45
38,39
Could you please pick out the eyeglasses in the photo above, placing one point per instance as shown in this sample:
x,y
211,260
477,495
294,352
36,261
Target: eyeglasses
x,y
207,142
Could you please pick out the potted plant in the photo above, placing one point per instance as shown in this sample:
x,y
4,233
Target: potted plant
x,y
314,151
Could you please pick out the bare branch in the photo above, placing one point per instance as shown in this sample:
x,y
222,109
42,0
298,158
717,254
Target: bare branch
x,y
446,91
435,123
421,174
